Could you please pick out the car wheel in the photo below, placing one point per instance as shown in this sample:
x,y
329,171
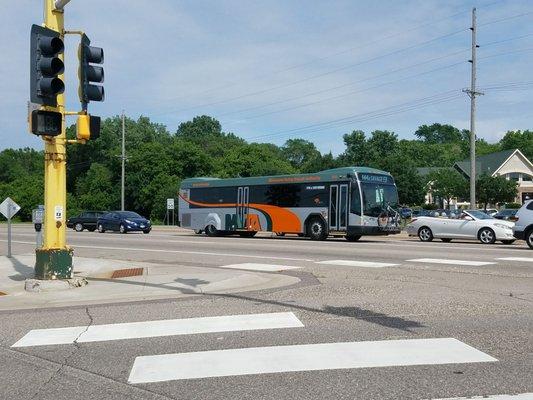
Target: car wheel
x,y
101,228
122,229
486,236
316,229
529,238
352,238
425,234
250,234
211,231
78,227
198,231
446,240
511,241
147,231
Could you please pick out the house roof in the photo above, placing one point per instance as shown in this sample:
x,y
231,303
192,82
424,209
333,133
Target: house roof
x,y
486,164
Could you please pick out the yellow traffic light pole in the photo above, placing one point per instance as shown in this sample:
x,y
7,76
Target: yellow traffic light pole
x,y
54,259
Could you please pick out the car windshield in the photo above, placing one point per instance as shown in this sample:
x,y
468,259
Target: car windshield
x,y
129,214
377,197
479,214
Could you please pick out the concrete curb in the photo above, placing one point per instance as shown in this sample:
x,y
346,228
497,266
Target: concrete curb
x,y
38,286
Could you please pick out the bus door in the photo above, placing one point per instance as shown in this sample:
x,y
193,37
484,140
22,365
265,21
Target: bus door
x,y
338,207
243,196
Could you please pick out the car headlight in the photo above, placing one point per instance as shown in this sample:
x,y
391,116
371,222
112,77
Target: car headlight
x,y
129,222
503,226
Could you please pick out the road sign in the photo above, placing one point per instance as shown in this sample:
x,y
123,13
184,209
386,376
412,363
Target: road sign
x,y
170,204
37,216
9,208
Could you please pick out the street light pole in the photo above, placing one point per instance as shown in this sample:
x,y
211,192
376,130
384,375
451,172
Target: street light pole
x,y
123,158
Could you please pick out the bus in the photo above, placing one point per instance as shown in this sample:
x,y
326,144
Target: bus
x,y
349,202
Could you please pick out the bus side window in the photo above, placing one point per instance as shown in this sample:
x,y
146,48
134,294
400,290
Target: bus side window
x,y
355,205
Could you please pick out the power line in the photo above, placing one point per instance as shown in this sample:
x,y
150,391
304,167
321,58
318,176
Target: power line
x,y
227,100
356,82
344,85
352,118
272,88
348,50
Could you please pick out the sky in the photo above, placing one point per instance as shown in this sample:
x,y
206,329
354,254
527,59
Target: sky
x,y
278,69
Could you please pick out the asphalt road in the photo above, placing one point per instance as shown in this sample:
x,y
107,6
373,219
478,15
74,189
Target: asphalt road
x,y
393,292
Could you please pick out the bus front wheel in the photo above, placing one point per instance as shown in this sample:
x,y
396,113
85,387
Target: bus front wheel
x,y
353,238
316,229
211,231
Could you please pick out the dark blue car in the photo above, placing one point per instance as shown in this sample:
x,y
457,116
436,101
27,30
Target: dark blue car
x,y
123,222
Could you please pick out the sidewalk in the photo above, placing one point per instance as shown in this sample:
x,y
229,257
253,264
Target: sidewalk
x,y
110,281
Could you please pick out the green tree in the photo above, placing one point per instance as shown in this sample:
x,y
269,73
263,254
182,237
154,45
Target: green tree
x,y
300,153
448,183
95,190
356,152
494,190
522,140
27,191
439,133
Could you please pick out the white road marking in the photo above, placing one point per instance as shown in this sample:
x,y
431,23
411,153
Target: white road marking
x,y
309,357
351,263
205,253
259,267
523,396
450,261
146,329
526,259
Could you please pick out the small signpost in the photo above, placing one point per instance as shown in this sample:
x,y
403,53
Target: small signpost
x,y
9,209
170,210
37,217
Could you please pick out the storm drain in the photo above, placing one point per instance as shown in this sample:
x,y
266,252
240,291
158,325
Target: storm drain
x,y
125,273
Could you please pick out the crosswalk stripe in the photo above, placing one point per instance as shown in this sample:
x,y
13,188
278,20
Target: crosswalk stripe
x,y
352,263
309,357
450,261
259,267
526,259
523,396
146,329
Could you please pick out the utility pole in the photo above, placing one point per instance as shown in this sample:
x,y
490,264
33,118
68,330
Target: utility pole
x,y
122,206
54,259
472,93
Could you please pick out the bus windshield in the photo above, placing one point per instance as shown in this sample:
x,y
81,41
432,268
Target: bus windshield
x,y
377,198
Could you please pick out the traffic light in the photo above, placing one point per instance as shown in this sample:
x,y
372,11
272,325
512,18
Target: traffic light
x,y
45,66
90,74
46,123
87,127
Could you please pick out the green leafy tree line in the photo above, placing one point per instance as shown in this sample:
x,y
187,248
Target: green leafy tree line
x,y
157,161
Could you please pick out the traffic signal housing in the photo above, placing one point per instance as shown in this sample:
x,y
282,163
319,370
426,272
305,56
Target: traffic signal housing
x,y
45,66
87,127
89,73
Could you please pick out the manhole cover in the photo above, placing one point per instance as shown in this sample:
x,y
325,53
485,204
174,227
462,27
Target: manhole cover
x,y
124,273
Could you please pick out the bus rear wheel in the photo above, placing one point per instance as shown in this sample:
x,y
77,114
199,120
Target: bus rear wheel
x,y
316,229
249,234
211,231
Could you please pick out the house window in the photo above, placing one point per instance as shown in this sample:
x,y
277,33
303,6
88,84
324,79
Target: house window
x,y
527,178
513,176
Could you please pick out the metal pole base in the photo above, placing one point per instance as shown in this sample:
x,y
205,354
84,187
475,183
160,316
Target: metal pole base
x,y
53,264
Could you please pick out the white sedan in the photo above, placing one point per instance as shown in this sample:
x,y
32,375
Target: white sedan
x,y
471,224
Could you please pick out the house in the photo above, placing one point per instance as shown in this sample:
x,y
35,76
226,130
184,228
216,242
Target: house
x,y
511,164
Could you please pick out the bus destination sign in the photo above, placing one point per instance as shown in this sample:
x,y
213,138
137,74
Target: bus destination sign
x,y
376,178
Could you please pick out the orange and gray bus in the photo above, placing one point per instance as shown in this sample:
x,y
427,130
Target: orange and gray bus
x,y
349,202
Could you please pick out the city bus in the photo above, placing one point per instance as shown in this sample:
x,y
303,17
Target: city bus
x,y
349,202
